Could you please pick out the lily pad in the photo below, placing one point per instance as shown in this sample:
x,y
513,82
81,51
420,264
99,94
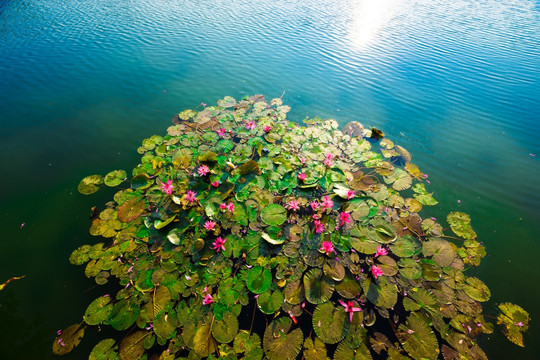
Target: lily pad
x,y
274,214
515,321
418,339
258,279
68,339
106,349
98,310
89,184
270,301
123,314
460,223
319,288
225,330
130,210
314,349
382,293
441,250
477,290
115,178
132,346
279,342
203,342
330,323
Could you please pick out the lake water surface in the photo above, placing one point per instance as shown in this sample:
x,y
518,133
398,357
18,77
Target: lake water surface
x,y
82,83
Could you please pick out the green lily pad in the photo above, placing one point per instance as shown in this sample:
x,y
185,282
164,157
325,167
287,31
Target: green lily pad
x,y
441,250
279,342
130,210
80,255
123,314
382,231
314,349
460,223
319,288
270,301
381,292
418,339
274,214
115,178
106,349
515,321
294,292
404,246
476,289
165,324
329,323
68,339
203,342
225,330
89,184
227,102
348,287
258,279
98,310
132,346
334,269
141,181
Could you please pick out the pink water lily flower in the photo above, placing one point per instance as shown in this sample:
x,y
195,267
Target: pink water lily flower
x,y
221,132
230,207
350,194
190,196
209,225
267,128
251,125
303,160
327,247
223,206
207,299
314,205
219,244
167,187
328,161
302,176
215,183
376,271
381,251
319,226
203,170
349,308
292,205
327,203
344,218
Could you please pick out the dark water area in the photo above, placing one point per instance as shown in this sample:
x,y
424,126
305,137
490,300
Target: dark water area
x,y
82,83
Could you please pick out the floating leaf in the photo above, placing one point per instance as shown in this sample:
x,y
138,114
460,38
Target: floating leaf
x,y
203,343
334,269
460,223
270,301
314,349
348,287
115,178
330,323
477,290
274,214
319,288
123,314
89,184
106,349
382,232
382,293
279,343
258,279
418,339
98,310
131,347
442,251
130,210
68,339
515,321
225,330
165,324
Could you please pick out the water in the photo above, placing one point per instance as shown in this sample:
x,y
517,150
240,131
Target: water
x,y
83,82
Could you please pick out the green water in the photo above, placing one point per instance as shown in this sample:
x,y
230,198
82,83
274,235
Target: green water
x,y
83,82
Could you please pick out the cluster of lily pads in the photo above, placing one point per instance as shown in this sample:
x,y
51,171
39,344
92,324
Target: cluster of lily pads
x,y
238,214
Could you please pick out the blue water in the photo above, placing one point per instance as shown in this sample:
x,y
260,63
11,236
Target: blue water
x,y
83,82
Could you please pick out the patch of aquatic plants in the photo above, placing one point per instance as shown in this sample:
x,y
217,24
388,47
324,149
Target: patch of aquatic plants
x,y
237,212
